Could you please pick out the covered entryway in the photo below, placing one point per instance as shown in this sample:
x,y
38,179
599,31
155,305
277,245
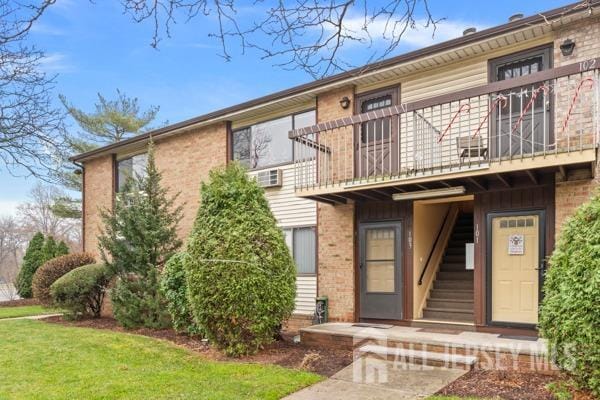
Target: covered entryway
x,y
380,270
515,268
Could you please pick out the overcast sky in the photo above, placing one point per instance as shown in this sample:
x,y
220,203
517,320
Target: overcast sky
x,y
96,48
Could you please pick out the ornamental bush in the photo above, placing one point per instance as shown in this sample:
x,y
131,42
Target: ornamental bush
x,y
240,274
174,288
53,269
80,292
570,312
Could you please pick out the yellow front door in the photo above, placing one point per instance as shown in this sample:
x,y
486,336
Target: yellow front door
x,y
514,268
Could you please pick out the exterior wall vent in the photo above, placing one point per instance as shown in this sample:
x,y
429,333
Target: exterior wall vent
x,y
270,178
515,17
469,31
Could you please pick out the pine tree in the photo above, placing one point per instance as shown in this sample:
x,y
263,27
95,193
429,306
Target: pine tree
x,y
138,239
32,260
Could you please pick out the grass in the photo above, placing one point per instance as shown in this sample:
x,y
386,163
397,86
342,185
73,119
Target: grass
x,y
46,361
25,311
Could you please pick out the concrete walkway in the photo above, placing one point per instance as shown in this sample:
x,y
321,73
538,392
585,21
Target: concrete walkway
x,y
34,317
375,379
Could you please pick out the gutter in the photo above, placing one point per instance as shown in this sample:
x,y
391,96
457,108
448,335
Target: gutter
x,y
543,17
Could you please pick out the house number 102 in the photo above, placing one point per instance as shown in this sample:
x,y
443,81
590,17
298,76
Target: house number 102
x,y
587,64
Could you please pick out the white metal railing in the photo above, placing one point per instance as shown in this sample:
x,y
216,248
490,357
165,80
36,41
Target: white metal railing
x,y
497,123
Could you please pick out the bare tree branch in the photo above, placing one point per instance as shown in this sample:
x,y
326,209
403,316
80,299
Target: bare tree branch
x,y
300,34
31,135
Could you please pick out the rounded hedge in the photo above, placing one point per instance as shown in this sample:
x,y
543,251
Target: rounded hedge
x,y
240,274
570,312
80,292
174,288
53,269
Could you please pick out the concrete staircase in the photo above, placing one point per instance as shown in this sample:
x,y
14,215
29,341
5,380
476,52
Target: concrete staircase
x,y
451,296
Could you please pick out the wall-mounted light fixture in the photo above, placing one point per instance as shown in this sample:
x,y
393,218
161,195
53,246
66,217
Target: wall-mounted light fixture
x,y
345,102
566,47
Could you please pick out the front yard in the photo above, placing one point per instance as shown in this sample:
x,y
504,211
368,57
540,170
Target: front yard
x,y
39,360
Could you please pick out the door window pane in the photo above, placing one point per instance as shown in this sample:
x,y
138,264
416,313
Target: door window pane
x,y
378,129
380,260
380,276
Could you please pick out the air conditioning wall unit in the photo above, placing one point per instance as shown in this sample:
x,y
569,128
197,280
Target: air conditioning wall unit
x,y
270,178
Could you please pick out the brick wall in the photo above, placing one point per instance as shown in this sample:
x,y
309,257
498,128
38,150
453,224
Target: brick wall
x,y
185,160
336,231
98,195
571,194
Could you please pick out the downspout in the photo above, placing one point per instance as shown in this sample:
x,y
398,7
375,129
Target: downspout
x,y
81,171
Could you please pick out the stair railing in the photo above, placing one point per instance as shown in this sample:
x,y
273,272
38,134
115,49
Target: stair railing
x,y
433,247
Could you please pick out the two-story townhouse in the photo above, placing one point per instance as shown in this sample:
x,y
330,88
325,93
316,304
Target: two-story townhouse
x,y
425,189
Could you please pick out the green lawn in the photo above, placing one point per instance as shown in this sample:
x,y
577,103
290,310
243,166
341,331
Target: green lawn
x,y
24,311
45,361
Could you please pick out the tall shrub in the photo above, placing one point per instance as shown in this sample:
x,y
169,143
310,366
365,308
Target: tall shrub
x,y
570,313
240,274
138,239
173,286
53,269
32,260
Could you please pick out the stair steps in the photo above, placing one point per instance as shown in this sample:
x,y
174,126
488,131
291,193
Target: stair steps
x,y
420,357
451,296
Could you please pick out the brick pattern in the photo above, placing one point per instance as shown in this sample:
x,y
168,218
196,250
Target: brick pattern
x,y
570,195
297,322
98,195
185,160
336,231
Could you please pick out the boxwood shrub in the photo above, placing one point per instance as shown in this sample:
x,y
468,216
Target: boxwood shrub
x,y
53,269
80,292
174,288
240,274
570,313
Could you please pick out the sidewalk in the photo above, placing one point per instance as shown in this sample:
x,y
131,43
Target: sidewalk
x,y
375,379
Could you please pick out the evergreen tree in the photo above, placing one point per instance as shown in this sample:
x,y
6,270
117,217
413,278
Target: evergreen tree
x,y
240,273
32,260
138,239
49,249
61,249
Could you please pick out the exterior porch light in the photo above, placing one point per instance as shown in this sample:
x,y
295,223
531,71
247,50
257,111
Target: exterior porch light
x,y
566,47
345,102
426,194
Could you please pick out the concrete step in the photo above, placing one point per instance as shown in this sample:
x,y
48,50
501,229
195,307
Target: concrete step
x,y
454,251
420,357
455,275
455,304
448,294
453,284
448,314
468,236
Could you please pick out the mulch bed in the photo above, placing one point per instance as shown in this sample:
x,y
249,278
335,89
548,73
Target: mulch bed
x,y
283,352
19,303
506,385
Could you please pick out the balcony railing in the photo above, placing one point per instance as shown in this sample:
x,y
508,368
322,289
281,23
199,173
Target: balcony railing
x,y
546,113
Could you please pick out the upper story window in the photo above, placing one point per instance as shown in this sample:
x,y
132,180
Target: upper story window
x,y
129,168
267,143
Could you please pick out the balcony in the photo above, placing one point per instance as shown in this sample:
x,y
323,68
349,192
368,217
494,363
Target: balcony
x,y
543,121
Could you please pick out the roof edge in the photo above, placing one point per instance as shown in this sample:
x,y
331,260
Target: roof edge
x,y
295,90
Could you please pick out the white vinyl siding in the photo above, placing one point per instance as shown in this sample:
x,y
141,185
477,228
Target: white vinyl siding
x,y
292,212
